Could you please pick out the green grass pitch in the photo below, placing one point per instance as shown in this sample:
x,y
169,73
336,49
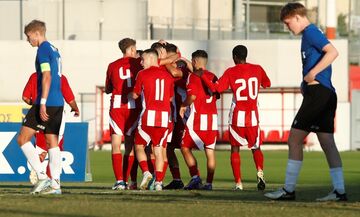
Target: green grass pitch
x,y
97,199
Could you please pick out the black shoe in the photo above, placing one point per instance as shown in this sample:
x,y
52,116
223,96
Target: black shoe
x,y
333,196
174,184
260,181
281,194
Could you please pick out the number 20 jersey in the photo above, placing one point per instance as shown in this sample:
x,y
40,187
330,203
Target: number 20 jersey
x,y
244,81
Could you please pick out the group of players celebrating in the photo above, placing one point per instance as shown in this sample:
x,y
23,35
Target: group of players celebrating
x,y
161,101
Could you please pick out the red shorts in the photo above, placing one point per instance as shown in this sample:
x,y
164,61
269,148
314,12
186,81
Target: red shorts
x,y
156,135
40,141
199,139
240,136
123,121
177,134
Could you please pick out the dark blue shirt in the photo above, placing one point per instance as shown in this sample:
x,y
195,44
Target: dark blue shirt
x,y
48,59
312,43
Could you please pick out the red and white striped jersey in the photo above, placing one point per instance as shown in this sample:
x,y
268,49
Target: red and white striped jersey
x,y
203,112
156,87
244,80
120,76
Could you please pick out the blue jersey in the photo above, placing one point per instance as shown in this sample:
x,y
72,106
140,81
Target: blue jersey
x,y
312,43
48,59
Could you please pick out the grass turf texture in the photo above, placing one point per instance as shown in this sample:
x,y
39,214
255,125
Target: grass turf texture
x,y
97,198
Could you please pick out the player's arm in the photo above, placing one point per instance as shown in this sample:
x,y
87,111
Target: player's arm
x,y
169,59
173,70
108,84
188,101
218,86
45,84
265,81
188,64
69,96
137,87
74,108
330,55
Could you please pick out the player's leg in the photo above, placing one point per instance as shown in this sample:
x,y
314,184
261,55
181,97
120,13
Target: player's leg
x,y
24,141
142,159
142,139
173,162
116,158
328,145
253,137
295,143
54,163
236,166
159,166
210,164
128,157
175,143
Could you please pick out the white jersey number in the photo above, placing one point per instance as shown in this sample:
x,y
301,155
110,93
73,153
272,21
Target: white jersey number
x,y
126,76
252,86
159,89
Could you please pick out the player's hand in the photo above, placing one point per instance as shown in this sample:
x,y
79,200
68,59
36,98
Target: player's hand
x,y
43,115
76,112
310,77
198,72
182,111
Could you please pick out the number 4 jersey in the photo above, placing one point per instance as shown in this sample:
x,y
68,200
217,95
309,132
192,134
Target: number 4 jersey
x,y
244,80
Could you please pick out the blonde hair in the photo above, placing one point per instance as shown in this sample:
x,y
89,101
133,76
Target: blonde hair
x,y
35,25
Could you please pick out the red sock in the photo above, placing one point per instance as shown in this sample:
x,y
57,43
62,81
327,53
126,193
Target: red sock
x,y
258,159
164,170
210,177
117,166
158,175
151,165
175,172
133,172
144,166
193,171
127,165
235,165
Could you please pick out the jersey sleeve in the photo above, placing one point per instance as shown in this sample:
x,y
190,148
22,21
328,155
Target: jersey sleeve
x,y
316,38
43,56
191,87
265,81
219,85
108,84
30,87
66,90
138,83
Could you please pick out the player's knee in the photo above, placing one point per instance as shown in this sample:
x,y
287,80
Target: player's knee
x,y
21,140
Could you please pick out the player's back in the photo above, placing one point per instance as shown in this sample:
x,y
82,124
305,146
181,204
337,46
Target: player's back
x,y
245,81
157,88
121,76
205,102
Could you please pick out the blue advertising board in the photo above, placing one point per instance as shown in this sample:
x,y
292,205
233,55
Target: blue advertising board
x,y
13,164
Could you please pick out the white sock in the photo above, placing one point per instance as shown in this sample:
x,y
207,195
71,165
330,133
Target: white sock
x,y
292,173
55,166
34,160
337,178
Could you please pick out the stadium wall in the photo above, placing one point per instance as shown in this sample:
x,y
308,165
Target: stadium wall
x,y
85,64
